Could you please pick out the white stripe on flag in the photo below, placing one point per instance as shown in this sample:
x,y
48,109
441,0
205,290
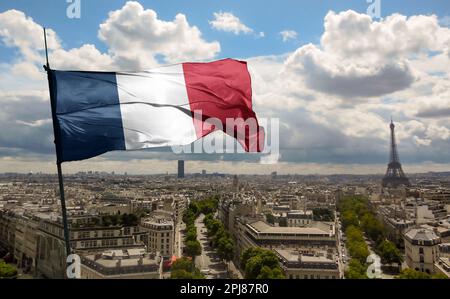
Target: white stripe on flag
x,y
147,126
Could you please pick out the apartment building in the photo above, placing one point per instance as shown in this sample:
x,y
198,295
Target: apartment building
x,y
87,238
160,234
308,265
252,233
421,249
121,264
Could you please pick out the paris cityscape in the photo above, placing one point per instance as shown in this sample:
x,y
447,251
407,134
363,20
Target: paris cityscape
x,y
336,165
154,226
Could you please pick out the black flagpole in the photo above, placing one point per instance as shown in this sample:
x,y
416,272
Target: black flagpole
x,y
57,145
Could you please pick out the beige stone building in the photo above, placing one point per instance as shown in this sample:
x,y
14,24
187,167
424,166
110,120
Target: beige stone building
x,y
121,264
85,238
160,235
421,249
300,265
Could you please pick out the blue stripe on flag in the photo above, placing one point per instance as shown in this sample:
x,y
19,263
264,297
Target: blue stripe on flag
x,y
88,114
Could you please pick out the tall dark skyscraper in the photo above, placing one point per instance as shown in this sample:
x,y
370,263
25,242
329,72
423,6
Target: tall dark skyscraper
x,y
180,169
394,175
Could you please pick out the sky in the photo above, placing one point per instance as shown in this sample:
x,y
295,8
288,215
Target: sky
x,y
330,73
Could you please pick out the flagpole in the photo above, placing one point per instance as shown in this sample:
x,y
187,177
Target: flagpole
x,y
58,151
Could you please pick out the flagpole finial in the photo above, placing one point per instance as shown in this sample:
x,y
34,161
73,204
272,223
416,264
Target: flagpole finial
x,y
47,66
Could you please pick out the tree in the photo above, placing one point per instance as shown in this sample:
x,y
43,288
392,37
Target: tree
x,y
214,227
183,263
268,273
389,253
225,248
439,276
349,218
189,217
221,232
356,270
128,220
356,245
7,270
191,234
253,260
373,227
322,214
194,208
270,218
193,248
413,274
282,222
208,206
184,268
358,250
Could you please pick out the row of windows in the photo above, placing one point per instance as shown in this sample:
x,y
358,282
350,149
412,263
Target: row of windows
x,y
161,247
108,242
311,277
159,234
152,240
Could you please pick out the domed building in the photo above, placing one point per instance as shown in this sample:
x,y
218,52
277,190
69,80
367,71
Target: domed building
x,y
421,249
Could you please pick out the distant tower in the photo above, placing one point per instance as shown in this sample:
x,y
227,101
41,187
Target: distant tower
x,y
394,175
180,169
236,183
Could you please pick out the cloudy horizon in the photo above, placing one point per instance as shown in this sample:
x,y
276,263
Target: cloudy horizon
x,y
334,89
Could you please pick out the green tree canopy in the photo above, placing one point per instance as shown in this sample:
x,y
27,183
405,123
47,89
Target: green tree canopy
x,y
413,274
253,260
356,270
7,270
193,248
270,218
389,253
184,268
225,248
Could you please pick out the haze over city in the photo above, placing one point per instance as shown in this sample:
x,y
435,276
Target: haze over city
x,y
225,147
334,98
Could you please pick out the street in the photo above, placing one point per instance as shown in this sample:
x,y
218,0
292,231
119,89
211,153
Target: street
x,y
179,239
208,262
341,250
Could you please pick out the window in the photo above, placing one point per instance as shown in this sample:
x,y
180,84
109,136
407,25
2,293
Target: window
x,y
108,233
84,235
421,250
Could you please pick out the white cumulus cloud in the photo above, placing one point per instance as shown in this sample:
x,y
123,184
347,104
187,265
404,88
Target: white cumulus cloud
x,y
288,35
228,22
135,37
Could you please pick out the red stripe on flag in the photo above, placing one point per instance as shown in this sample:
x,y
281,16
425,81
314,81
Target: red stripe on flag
x,y
223,90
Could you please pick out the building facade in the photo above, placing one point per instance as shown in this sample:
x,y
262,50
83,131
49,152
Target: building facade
x,y
421,249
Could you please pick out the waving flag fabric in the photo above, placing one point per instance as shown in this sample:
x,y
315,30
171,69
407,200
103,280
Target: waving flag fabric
x,y
97,112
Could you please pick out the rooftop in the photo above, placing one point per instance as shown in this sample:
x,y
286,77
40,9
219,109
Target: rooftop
x,y
317,228
419,235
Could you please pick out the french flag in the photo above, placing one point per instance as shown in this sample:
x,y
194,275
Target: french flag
x,y
97,112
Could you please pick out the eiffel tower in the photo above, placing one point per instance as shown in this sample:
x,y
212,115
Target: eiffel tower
x,y
394,175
